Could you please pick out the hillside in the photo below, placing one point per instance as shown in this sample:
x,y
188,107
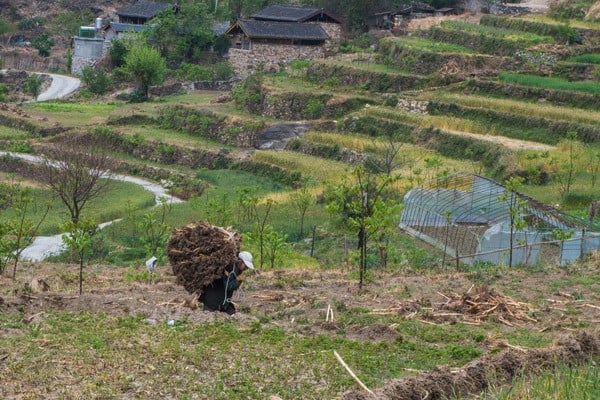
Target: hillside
x,y
511,99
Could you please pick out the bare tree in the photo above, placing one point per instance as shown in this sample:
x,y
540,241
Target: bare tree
x,y
74,175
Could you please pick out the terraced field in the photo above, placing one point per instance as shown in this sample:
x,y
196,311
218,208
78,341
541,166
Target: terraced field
x,y
499,98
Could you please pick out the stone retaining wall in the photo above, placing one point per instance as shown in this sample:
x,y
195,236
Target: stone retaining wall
x,y
271,56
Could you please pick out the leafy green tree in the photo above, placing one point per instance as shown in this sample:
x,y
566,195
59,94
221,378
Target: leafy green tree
x,y
145,66
185,34
516,208
564,171
221,45
366,206
3,88
43,43
302,199
117,52
155,230
6,244
23,228
275,245
79,240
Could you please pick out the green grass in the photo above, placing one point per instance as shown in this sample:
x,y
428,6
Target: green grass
x,y
585,58
172,137
409,157
318,168
574,23
550,83
517,107
7,133
234,361
564,383
72,114
425,44
121,196
528,39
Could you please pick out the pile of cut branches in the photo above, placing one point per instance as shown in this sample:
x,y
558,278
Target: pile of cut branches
x,y
485,302
473,307
199,252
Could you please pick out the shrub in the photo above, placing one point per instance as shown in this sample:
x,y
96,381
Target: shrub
x,y
43,44
117,53
27,24
3,91
33,85
249,95
314,108
97,81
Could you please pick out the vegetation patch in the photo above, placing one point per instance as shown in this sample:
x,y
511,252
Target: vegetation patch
x,y
550,83
531,93
346,75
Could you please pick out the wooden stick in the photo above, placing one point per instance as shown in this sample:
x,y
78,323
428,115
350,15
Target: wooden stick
x,y
362,385
592,306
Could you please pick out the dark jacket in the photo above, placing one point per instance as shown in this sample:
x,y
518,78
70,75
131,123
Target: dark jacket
x,y
217,295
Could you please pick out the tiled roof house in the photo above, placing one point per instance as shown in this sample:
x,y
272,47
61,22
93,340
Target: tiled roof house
x,y
278,34
140,12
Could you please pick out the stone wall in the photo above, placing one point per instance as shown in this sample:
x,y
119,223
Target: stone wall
x,y
271,56
86,53
335,33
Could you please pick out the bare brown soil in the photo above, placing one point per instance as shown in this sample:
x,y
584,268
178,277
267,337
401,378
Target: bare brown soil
x,y
515,299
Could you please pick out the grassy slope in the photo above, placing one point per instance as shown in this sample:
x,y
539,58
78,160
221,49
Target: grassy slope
x,y
285,350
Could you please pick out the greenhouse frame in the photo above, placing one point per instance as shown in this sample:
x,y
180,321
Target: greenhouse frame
x,y
475,219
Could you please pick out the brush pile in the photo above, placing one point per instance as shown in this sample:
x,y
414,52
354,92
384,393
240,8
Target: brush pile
x,y
199,252
485,302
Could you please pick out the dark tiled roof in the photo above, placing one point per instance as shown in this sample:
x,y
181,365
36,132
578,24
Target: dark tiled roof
x,y
290,14
280,30
219,28
142,9
121,27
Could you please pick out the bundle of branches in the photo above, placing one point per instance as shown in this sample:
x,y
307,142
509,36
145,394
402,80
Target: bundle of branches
x,y
199,252
484,301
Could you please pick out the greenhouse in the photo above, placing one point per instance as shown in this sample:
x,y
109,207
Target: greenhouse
x,y
475,219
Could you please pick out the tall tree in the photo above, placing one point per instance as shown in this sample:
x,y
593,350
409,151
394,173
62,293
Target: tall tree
x,y
184,32
75,176
145,66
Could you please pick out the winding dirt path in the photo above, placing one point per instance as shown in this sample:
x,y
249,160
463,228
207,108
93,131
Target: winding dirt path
x,y
510,143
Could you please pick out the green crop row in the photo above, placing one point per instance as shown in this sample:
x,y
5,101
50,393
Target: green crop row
x,y
520,91
562,32
424,61
550,83
521,127
482,43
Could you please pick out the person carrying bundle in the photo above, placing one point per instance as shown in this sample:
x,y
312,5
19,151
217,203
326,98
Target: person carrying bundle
x,y
217,295
207,262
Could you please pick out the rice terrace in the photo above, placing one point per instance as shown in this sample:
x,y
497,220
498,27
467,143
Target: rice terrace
x,y
418,184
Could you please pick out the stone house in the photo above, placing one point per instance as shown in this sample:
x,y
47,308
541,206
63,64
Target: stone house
x,y
93,43
278,34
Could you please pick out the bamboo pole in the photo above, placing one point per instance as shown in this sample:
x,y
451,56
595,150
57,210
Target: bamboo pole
x,y
362,385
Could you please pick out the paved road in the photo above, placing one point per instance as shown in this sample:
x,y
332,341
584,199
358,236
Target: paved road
x,y
60,87
45,246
